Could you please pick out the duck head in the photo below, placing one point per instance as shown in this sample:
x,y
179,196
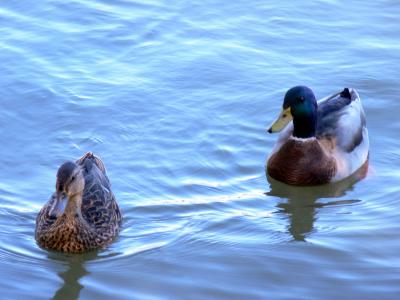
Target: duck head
x,y
300,106
69,188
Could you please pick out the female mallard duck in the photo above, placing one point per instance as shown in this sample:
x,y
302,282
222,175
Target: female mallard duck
x,y
82,214
326,142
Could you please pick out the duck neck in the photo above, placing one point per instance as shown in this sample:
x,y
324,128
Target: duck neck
x,y
304,126
73,208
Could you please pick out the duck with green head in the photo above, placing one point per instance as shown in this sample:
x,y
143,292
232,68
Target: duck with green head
x,y
321,142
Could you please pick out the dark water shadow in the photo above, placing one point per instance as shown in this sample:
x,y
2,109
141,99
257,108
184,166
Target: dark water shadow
x,y
74,271
300,204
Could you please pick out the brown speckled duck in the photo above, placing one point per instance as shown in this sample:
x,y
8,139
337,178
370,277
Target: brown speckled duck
x,y
321,142
82,214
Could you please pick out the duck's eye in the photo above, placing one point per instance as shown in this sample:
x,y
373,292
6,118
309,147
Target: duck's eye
x,y
284,116
72,178
301,99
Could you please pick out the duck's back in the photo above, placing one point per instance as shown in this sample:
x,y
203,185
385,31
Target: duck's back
x,y
341,122
342,117
99,206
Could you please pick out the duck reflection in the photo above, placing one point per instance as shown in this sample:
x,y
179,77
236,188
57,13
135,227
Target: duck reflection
x,y
302,202
72,274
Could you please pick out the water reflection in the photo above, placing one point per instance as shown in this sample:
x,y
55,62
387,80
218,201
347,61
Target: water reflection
x,y
74,271
302,202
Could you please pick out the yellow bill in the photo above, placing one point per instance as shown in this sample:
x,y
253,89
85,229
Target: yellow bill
x,y
284,118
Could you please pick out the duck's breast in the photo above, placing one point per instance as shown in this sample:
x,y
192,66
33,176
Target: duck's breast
x,y
302,162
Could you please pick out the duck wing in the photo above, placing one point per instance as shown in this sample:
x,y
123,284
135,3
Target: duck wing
x,y
44,220
341,118
99,206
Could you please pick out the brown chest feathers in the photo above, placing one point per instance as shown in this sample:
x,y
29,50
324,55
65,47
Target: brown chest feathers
x,y
74,235
302,162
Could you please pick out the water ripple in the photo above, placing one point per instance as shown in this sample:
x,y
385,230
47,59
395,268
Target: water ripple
x,y
175,97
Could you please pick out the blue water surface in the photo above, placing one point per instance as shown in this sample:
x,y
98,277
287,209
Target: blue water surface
x,y
175,97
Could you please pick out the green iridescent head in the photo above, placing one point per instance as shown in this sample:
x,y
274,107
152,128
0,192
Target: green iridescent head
x,y
300,106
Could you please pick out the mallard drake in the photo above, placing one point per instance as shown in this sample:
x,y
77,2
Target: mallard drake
x,y
324,142
82,214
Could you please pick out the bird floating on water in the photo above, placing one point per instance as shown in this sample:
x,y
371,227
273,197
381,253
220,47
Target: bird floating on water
x,y
82,214
321,142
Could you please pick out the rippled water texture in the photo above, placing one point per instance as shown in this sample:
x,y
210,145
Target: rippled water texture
x,y
176,96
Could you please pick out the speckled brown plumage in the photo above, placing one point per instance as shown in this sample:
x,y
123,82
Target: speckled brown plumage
x,y
94,224
302,163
